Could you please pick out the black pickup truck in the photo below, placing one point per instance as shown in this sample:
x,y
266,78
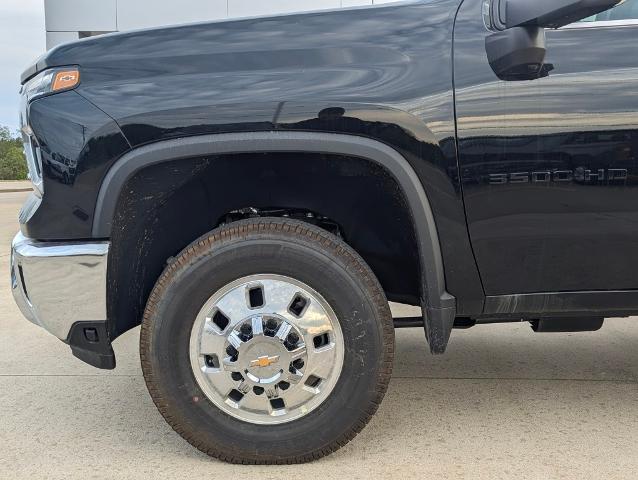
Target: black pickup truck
x,y
254,192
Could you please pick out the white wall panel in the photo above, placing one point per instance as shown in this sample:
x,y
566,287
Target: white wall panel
x,y
355,3
150,13
56,38
64,18
69,15
249,8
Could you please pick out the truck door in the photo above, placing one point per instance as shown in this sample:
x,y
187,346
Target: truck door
x,y
549,166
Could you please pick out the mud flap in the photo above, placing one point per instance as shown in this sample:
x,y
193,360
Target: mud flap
x,y
438,323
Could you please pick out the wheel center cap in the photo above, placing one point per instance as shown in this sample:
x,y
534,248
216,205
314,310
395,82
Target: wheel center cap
x,y
264,361
264,357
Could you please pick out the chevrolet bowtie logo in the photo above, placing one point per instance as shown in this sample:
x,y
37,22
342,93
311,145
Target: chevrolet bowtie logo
x,y
264,361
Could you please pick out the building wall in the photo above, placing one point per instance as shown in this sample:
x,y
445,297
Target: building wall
x,y
68,20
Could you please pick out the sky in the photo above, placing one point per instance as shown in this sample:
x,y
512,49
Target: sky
x,y
22,40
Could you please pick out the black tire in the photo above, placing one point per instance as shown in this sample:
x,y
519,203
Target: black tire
x,y
284,247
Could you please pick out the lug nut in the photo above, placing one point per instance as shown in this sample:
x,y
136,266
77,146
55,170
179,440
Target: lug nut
x,y
293,338
236,376
271,326
232,351
298,364
291,341
258,390
246,332
283,385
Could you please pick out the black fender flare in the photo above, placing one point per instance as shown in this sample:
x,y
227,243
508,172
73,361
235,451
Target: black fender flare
x,y
439,307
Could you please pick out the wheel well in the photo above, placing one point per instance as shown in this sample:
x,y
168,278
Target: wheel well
x,y
166,206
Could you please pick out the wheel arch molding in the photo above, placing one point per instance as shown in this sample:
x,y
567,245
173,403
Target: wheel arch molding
x,y
439,307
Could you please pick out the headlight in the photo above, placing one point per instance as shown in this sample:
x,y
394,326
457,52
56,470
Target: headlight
x,y
51,81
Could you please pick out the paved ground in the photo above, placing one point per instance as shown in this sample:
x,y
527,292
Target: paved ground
x,y
502,403
14,186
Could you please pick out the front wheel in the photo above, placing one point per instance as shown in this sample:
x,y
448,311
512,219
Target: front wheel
x,y
267,341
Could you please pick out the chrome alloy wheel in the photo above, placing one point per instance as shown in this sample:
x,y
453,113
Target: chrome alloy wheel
x,y
266,349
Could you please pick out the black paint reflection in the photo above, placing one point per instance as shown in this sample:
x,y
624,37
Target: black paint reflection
x,y
387,67
549,166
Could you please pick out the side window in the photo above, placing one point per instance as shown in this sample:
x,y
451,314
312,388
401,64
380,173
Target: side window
x,y
627,10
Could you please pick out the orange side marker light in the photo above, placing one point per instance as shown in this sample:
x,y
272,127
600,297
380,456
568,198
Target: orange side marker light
x,y
65,79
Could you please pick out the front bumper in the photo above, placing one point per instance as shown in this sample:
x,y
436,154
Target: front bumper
x,y
58,284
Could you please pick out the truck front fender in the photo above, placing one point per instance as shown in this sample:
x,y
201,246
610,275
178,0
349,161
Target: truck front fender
x,y
439,307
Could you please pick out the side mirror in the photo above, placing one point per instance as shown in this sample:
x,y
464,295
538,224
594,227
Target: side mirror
x,y
516,51
549,13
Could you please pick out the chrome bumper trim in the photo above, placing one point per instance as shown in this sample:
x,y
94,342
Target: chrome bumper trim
x,y
56,284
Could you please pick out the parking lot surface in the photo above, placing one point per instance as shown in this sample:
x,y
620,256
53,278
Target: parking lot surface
x,y
504,402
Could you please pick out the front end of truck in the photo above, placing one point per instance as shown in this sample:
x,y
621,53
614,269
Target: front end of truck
x,y
58,272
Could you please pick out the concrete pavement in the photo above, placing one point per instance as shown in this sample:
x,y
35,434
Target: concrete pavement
x,y
12,186
502,403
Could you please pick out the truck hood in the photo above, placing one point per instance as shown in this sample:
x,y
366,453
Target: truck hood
x,y
196,39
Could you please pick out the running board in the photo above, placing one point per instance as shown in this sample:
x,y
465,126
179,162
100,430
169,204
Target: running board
x,y
412,322
408,322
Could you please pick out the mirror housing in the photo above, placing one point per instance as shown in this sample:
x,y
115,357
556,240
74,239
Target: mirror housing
x,y
549,13
516,51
